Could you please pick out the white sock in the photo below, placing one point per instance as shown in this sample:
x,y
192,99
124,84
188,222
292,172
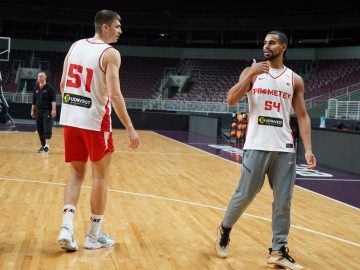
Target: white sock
x,y
46,145
95,224
68,214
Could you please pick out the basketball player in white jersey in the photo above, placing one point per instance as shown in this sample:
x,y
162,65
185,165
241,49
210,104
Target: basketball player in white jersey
x,y
272,89
90,86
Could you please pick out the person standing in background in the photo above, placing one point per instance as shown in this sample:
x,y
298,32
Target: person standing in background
x,y
43,109
90,86
272,90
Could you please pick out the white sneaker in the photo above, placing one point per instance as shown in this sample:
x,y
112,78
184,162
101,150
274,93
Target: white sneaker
x,y
222,243
67,240
91,242
106,241
103,241
280,259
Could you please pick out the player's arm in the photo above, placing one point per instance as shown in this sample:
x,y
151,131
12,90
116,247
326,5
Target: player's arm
x,y
244,84
303,120
111,64
53,109
53,101
33,111
33,105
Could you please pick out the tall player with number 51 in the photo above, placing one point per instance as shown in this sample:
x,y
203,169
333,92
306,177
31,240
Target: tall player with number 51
x,y
90,87
272,90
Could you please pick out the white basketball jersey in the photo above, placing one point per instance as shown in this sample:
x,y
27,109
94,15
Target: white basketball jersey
x,y
86,103
270,102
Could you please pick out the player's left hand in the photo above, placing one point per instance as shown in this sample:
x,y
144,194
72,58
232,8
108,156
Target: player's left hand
x,y
310,159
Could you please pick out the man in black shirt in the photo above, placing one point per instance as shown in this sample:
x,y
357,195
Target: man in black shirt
x,y
43,109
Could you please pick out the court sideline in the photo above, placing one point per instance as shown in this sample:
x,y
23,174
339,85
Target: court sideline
x,y
165,202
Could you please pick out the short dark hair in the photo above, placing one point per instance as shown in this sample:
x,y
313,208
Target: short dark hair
x,y
105,17
281,36
43,71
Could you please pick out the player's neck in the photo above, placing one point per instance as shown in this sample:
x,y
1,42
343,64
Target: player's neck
x,y
278,68
276,65
97,38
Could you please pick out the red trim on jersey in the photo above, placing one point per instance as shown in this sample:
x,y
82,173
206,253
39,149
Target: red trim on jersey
x,y
247,125
106,121
72,47
101,55
279,74
91,42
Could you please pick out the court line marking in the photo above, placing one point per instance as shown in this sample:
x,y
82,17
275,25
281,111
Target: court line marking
x,y
58,150
185,202
193,147
331,199
213,207
233,162
191,154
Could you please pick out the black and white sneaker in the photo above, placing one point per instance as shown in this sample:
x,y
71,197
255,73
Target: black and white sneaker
x,y
280,259
222,242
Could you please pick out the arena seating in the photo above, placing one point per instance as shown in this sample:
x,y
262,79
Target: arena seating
x,y
329,75
217,77
141,76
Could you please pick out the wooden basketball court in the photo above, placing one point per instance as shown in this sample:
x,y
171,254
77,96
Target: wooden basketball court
x,y
165,202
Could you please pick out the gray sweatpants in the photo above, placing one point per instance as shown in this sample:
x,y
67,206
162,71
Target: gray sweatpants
x,y
280,167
